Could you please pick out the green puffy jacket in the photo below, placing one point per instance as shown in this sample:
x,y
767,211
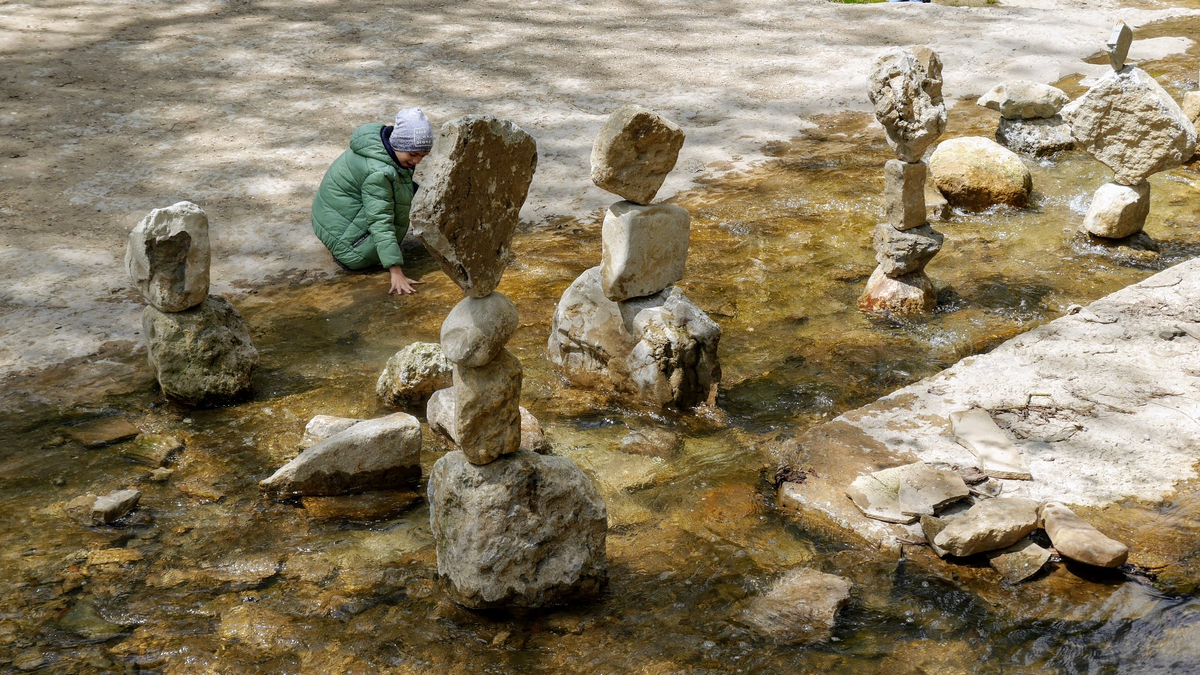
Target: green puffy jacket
x,y
361,209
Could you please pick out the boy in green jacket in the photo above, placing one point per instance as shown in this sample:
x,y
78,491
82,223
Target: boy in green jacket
x,y
361,209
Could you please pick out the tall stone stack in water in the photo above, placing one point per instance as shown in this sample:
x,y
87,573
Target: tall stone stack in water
x,y
906,90
1128,122
624,325
513,528
198,344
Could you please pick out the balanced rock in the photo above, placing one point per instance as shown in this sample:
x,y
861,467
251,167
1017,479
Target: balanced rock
x,y
476,181
114,506
1118,45
526,530
487,416
167,257
906,91
645,248
977,173
989,525
634,151
477,329
321,427
200,355
904,294
904,194
1118,211
801,607
440,415
899,253
661,347
1078,540
1128,122
1024,100
382,453
412,374
1037,137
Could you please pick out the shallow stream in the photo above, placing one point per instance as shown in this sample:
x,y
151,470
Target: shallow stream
x,y
217,578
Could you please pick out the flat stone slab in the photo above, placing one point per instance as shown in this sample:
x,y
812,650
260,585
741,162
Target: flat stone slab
x,y
1076,539
1112,437
1019,561
877,495
989,525
102,432
114,506
925,489
975,430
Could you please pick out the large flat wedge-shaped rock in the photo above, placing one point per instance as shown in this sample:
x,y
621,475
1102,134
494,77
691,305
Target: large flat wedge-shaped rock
x,y
1076,539
634,151
975,430
645,248
167,257
476,181
989,525
382,453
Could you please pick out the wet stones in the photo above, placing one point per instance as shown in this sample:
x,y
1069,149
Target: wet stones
x,y
467,209
905,294
198,345
801,607
167,257
526,530
201,355
905,87
904,493
989,525
634,151
977,173
382,453
412,374
1118,211
1023,100
1078,540
623,325
1037,137
114,506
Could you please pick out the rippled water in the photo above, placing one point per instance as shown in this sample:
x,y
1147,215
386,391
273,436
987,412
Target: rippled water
x,y
220,579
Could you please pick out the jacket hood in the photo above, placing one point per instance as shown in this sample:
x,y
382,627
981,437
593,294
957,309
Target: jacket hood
x,y
365,141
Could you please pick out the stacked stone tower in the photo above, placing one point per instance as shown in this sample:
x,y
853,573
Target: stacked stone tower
x,y
624,325
906,90
1128,122
513,528
198,344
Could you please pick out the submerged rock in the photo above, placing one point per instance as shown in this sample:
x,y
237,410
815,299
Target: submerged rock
x,y
1036,137
1019,561
800,608
1023,99
202,355
1117,211
412,374
114,506
102,432
977,173
365,506
905,87
167,257
645,249
651,442
525,530
1076,539
477,329
152,450
634,151
975,430
382,453
476,180
989,525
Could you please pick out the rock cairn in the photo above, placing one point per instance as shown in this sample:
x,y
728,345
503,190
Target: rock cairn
x,y
1128,122
1029,119
624,325
512,528
198,344
1191,107
906,91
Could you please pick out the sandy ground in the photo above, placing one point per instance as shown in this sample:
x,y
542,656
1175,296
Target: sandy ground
x,y
114,108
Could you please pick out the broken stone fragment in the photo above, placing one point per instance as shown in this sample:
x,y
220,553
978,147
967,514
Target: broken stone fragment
x,y
1118,45
152,450
904,194
644,249
975,430
1024,100
1036,137
167,257
202,355
877,494
321,427
801,607
476,330
924,489
1117,211
900,253
1076,539
114,506
102,432
905,294
487,417
1019,561
989,525
382,453
905,88
977,173
476,180
412,374
930,527
634,151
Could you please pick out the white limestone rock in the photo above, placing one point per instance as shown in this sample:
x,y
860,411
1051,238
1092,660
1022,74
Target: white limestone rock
x,y
634,151
975,430
1023,99
201,355
906,91
1118,211
382,453
644,248
977,173
1128,122
525,530
476,179
904,194
167,257
412,374
321,427
477,329
487,416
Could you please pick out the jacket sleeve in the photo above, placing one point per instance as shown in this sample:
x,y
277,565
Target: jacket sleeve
x,y
379,204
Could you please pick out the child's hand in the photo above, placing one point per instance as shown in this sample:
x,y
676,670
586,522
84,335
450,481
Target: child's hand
x,y
401,284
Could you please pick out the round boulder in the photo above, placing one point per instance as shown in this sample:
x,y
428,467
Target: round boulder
x,y
976,173
202,355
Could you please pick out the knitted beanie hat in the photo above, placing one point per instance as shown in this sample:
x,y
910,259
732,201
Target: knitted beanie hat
x,y
412,133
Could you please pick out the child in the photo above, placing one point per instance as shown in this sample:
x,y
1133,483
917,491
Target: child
x,y
360,212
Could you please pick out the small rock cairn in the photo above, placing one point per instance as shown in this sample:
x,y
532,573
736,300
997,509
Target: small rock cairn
x,y
1128,122
512,528
1029,119
624,325
198,344
906,90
